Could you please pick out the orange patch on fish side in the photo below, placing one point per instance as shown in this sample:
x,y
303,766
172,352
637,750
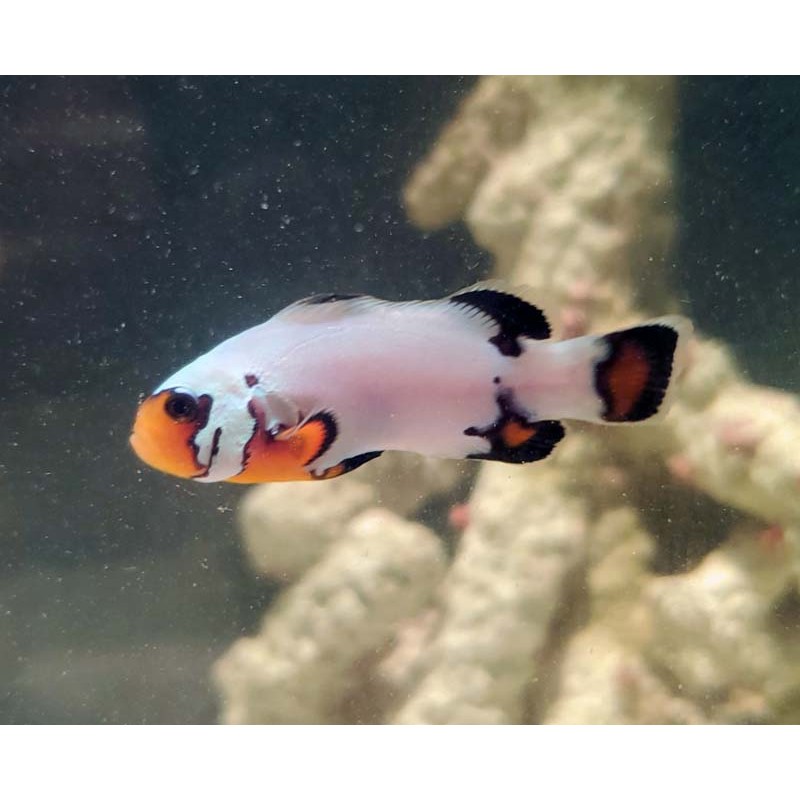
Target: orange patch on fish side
x,y
163,442
269,460
514,433
284,458
311,439
627,379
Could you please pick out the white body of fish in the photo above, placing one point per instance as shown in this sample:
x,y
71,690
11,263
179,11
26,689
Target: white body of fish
x,y
419,376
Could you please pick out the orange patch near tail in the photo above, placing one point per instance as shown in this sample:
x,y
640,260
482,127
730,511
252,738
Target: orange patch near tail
x,y
634,377
627,378
514,433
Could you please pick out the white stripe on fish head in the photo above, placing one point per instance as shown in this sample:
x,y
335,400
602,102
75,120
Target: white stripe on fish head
x,y
221,441
221,444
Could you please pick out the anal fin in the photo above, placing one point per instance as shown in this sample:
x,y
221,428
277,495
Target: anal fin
x,y
346,465
515,439
516,443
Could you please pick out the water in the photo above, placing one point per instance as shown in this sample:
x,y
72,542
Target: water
x,y
143,220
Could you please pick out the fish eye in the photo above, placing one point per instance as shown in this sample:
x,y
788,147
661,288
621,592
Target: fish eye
x,y
182,406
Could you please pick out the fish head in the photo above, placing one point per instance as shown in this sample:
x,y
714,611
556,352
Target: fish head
x,y
195,425
165,431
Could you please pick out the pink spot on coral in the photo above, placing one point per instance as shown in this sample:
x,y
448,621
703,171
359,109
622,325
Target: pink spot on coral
x,y
682,469
581,291
739,434
573,322
771,539
458,517
627,678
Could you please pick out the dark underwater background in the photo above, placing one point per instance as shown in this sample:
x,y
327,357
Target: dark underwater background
x,y
142,220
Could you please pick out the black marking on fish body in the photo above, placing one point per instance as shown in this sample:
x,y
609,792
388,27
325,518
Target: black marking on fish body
x,y
507,345
204,403
214,451
328,422
258,427
215,442
251,380
332,297
515,318
346,465
515,439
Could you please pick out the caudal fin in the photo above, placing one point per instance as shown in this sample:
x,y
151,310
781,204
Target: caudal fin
x,y
633,379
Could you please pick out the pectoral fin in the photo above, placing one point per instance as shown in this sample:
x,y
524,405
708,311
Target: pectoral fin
x,y
276,412
312,438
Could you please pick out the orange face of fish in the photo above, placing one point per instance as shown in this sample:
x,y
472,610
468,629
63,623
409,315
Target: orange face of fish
x,y
165,428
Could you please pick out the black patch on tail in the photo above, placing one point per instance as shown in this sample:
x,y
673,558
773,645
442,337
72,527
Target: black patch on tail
x,y
347,465
633,378
514,316
513,438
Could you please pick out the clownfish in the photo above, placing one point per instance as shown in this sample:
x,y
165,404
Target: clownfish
x,y
334,380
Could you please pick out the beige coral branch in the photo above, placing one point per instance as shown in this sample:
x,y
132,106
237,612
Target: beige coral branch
x,y
737,441
712,623
500,597
301,665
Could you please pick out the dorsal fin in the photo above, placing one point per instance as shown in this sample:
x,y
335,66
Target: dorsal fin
x,y
513,316
494,305
330,297
327,307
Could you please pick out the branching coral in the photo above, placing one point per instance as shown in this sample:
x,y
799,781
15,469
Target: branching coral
x,y
550,610
300,667
500,596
